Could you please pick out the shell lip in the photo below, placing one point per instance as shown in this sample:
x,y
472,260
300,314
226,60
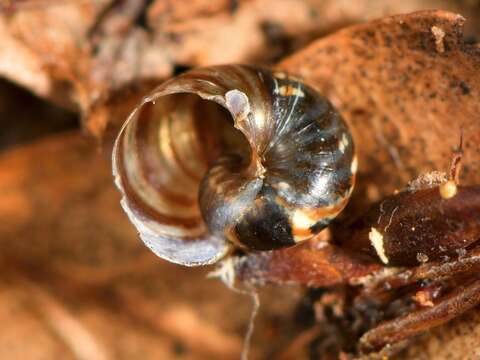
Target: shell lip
x,y
195,252
234,100
187,252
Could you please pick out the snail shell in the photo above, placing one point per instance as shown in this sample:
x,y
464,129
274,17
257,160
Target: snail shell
x,y
232,156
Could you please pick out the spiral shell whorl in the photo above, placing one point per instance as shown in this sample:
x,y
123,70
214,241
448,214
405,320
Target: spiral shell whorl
x,y
191,180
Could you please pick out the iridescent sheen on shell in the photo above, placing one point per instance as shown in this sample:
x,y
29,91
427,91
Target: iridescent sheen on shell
x,y
232,156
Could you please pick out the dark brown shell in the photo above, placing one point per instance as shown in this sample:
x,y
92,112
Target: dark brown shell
x,y
232,155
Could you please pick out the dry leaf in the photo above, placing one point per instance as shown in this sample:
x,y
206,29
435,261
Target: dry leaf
x,y
407,103
75,278
80,53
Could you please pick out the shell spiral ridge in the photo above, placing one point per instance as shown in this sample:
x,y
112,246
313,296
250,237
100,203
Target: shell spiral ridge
x,y
232,156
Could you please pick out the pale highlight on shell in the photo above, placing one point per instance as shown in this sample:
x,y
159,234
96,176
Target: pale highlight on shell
x,y
232,156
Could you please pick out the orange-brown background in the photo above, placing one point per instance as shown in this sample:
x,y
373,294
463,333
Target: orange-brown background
x,y
75,282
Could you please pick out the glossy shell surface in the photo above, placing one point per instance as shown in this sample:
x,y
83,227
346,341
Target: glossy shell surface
x,y
232,156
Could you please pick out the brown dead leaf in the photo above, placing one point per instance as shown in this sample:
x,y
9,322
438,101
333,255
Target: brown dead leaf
x,y
50,40
80,53
459,339
83,238
406,102
78,283
72,268
77,52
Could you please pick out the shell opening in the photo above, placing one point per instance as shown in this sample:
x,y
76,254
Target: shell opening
x,y
160,158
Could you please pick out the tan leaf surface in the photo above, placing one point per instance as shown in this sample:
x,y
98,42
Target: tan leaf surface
x,y
76,282
75,279
406,102
77,53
